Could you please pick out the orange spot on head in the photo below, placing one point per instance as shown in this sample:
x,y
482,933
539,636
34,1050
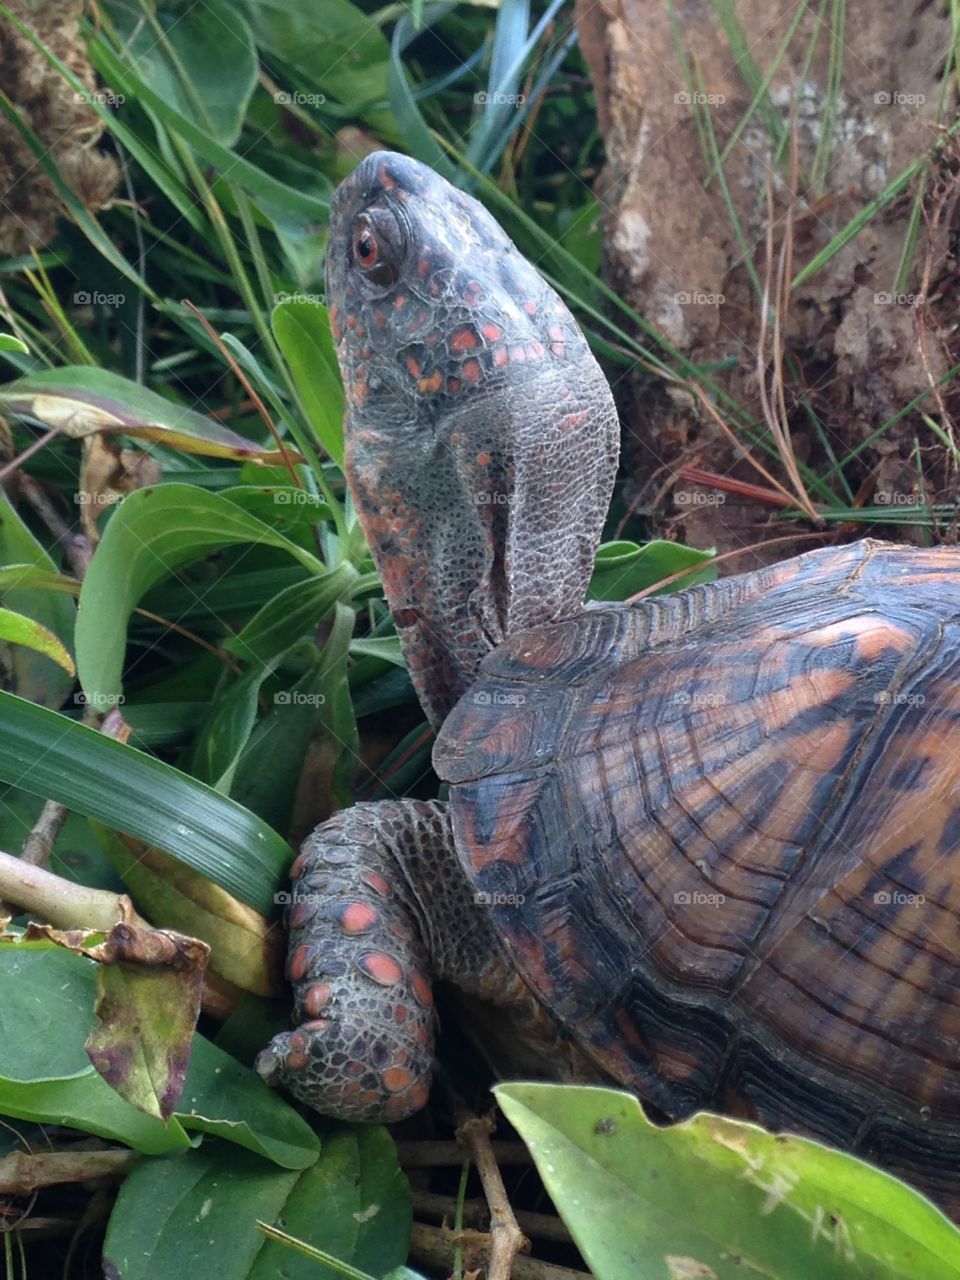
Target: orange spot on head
x,y
385,179
501,357
530,307
296,867
471,370
335,326
421,988
400,301
297,1061
414,366
314,1025
382,968
558,349
299,962
423,266
492,332
317,998
556,332
472,293
358,917
483,459
463,340
433,383
397,1079
518,354
454,385
351,322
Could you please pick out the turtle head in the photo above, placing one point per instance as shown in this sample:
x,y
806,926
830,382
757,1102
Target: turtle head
x,y
481,436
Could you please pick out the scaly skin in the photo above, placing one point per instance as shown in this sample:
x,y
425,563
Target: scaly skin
x,y
712,840
481,450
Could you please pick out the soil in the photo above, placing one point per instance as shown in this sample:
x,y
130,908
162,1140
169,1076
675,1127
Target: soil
x,y
859,339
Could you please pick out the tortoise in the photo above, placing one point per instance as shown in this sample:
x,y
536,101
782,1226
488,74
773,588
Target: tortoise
x,y
704,846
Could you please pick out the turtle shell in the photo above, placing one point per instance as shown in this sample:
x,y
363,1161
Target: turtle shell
x,y
719,833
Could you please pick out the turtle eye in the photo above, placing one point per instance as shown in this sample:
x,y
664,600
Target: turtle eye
x,y
375,246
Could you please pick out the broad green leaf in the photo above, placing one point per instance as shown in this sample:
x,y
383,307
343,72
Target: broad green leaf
x,y
127,790
153,534
47,997
173,1215
9,343
624,568
122,78
353,1203
46,1013
81,400
16,629
269,770
202,61
225,1098
291,614
720,1199
339,50
27,570
302,328
385,647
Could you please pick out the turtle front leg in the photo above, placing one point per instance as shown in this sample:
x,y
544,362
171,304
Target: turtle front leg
x,y
362,947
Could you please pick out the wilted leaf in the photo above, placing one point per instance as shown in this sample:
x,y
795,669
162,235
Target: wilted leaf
x,y
149,985
246,948
82,399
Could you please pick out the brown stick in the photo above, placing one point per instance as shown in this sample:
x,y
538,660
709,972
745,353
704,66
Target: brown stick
x,y
506,1238
435,1247
539,1226
22,1173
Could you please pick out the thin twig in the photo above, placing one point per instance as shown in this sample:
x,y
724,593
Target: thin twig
x,y
505,1237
